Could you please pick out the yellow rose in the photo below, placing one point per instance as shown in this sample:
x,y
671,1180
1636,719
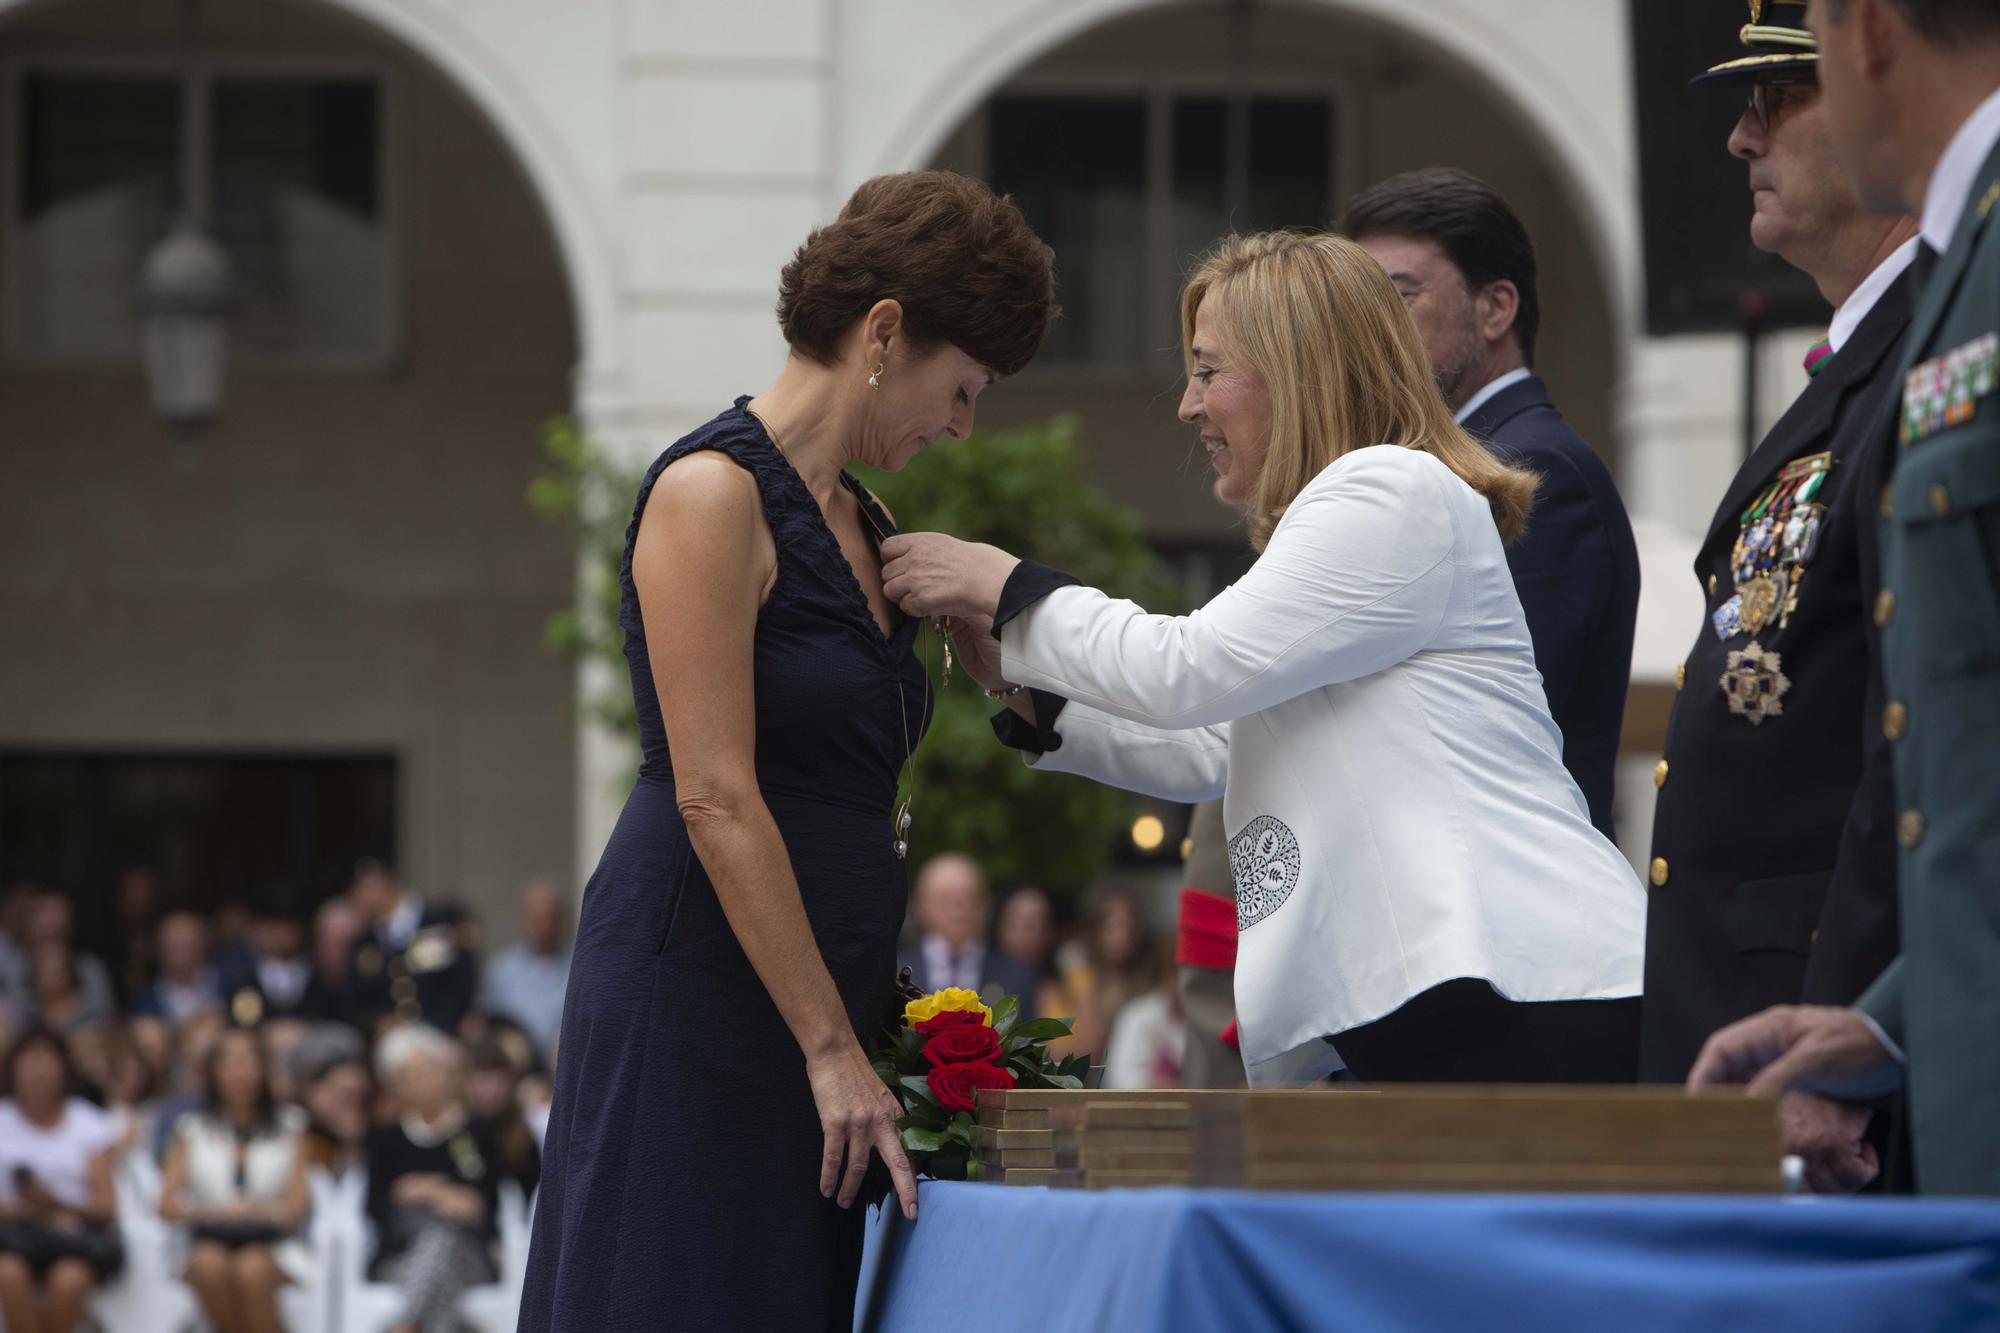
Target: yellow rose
x,y
950,1000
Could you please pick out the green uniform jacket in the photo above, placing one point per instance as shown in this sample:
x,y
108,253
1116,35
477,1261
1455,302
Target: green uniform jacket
x,y
1940,1000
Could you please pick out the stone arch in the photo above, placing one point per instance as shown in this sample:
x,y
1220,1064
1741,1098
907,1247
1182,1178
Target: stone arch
x,y
455,50
1573,140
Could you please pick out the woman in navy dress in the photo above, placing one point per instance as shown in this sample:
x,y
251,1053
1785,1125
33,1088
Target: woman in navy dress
x,y
715,1111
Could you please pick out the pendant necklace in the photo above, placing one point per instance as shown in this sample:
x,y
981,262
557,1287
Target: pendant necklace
x,y
903,820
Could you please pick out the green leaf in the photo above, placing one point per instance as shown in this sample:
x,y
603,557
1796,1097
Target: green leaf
x,y
923,1140
1070,1081
919,1089
1041,1029
1006,1010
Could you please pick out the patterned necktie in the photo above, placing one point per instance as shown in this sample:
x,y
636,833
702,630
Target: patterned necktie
x,y
1818,355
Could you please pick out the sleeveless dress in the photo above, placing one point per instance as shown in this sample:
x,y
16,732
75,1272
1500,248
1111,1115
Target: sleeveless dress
x,y
681,1181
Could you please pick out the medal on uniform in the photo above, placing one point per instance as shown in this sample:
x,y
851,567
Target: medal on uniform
x,y
1945,391
1777,537
1754,682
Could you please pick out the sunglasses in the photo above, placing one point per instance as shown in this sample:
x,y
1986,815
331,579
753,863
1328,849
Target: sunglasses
x,y
1769,98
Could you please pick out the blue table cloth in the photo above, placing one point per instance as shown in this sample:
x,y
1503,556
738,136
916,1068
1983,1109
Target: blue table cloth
x,y
999,1257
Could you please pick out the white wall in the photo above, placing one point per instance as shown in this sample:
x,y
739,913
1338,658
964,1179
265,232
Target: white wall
x,y
680,148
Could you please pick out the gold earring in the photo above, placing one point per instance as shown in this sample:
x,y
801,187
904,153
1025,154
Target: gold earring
x,y
875,375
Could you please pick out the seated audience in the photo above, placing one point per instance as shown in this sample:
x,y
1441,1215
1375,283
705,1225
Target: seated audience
x,y
432,1174
411,962
1110,963
135,924
1149,1036
235,1177
329,994
56,998
950,905
493,1095
188,984
338,1094
52,920
525,981
58,1215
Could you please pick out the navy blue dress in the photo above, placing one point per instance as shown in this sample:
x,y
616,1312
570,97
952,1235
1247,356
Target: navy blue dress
x,y
681,1178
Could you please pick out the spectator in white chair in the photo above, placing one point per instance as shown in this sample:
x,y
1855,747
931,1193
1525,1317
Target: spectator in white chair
x,y
235,1177
338,1093
432,1181
58,1213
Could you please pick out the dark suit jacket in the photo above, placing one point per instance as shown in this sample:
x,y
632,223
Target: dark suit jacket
x,y
432,979
1775,837
1577,573
997,974
1940,530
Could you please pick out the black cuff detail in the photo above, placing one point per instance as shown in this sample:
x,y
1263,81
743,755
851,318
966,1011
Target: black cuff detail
x,y
1038,737
1029,583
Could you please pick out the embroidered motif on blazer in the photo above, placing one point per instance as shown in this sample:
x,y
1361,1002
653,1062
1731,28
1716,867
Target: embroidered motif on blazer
x,y
1264,860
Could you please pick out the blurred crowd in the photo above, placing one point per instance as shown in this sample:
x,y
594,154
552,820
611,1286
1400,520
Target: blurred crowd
x,y
237,1065
243,1063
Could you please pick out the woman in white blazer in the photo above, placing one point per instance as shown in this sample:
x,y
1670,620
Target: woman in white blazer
x,y
1420,892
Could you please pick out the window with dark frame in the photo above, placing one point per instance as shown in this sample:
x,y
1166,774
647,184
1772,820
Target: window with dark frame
x,y
296,172
1080,166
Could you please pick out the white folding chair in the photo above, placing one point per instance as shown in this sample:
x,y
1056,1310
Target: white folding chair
x,y
147,1296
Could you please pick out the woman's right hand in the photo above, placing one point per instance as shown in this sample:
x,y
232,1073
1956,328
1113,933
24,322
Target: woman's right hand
x,y
857,1114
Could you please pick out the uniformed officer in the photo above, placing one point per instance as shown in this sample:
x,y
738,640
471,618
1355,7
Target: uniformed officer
x,y
412,962
1773,859
1913,110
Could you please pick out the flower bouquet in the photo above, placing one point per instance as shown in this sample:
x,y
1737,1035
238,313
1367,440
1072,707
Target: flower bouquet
x,y
951,1043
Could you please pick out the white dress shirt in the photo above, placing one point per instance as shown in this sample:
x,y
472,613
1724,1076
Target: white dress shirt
x,y
1951,182
1366,702
944,968
1485,395
1863,298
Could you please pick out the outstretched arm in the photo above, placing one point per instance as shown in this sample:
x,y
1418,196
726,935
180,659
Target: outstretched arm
x,y
1355,579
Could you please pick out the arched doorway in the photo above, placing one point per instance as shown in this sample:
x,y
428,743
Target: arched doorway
x,y
1340,97
350,573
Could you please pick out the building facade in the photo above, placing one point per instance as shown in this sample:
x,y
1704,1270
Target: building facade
x,y
458,218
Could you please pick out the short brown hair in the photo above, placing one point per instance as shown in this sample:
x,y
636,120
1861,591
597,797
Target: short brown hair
x,y
1467,219
961,260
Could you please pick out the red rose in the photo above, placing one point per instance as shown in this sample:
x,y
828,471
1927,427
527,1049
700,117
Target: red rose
x,y
952,1085
962,1042
951,1018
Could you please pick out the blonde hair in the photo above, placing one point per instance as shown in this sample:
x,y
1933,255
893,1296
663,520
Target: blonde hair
x,y
1322,326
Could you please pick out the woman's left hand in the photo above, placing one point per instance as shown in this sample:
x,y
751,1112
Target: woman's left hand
x,y
930,574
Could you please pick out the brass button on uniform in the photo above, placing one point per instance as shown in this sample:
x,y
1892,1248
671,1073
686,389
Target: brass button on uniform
x,y
1680,675
1885,608
1895,720
1659,875
1711,585
1940,499
1909,829
1888,500
1660,774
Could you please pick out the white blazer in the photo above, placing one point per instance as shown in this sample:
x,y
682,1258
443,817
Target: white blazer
x,y
1366,702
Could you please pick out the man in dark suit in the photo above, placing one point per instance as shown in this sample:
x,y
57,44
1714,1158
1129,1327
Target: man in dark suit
x,y
412,961
950,905
1466,268
1912,92
1773,867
